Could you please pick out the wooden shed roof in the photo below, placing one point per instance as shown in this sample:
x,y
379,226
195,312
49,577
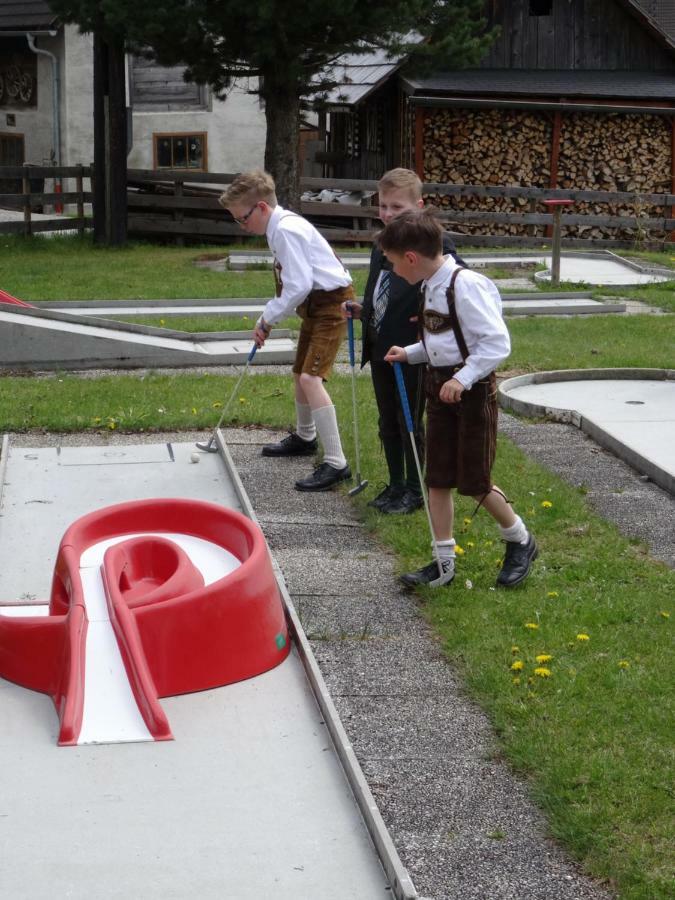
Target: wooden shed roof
x,y
26,15
546,83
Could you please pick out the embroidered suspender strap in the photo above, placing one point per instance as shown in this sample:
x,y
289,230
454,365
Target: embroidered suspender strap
x,y
438,322
454,321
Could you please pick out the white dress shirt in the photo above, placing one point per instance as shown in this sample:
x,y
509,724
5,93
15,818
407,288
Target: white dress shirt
x,y
305,262
479,312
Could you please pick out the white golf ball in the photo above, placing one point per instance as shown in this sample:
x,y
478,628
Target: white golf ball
x,y
194,457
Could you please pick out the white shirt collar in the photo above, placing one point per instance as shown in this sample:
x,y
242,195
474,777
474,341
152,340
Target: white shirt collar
x,y
273,221
441,274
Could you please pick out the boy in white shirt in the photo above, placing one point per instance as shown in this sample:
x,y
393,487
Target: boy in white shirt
x,y
463,340
311,281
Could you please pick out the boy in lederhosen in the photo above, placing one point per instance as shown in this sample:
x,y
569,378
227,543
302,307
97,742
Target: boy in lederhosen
x,y
463,340
389,315
311,281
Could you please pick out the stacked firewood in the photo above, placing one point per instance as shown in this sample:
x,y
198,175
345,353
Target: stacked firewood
x,y
617,152
486,147
627,153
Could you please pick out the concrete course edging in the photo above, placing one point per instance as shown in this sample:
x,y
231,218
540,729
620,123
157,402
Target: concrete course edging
x,y
571,416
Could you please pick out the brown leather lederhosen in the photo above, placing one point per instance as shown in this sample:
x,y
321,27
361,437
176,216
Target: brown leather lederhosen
x,y
461,437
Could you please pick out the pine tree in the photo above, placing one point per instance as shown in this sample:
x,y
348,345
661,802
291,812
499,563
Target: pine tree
x,y
286,45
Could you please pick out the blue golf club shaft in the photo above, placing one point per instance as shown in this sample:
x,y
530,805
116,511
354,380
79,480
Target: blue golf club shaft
x,y
403,395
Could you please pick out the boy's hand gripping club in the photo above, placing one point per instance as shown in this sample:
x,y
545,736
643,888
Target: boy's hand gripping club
x,y
360,483
400,384
210,445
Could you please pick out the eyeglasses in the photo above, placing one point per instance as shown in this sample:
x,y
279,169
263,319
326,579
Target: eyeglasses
x,y
244,219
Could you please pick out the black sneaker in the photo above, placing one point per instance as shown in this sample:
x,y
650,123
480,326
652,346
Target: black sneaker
x,y
391,492
323,478
428,575
406,503
292,445
517,563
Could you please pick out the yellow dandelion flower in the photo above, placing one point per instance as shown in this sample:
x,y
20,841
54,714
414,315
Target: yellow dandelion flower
x,y
532,625
624,664
194,410
97,420
546,504
244,318
515,649
544,658
541,672
552,594
583,637
517,665
112,425
664,614
516,680
216,404
467,521
459,551
161,321
243,400
470,544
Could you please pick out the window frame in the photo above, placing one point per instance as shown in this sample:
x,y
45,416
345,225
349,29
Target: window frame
x,y
158,135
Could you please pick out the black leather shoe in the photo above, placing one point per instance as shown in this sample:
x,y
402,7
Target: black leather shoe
x,y
429,575
391,492
517,563
406,503
292,445
323,478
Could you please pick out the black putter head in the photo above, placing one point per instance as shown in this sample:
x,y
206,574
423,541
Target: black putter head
x,y
361,486
207,446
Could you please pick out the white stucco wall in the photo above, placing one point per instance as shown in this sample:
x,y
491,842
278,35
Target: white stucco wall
x,y
35,124
77,98
235,130
235,127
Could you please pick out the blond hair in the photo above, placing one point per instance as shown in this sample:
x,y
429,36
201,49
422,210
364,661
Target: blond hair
x,y
250,187
401,180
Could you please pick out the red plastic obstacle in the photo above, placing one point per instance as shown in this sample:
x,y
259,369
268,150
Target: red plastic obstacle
x,y
7,298
176,634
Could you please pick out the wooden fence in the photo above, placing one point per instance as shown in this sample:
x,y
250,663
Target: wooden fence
x,y
180,206
31,199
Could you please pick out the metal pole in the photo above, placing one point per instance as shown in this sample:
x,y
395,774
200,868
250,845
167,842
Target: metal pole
x,y
555,262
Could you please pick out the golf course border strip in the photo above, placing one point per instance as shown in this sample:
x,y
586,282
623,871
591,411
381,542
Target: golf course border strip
x,y
570,416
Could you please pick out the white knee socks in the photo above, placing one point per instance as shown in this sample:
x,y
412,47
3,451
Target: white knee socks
x,y
326,425
517,533
306,429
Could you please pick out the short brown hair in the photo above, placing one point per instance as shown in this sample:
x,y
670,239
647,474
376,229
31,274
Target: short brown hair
x,y
250,187
401,180
417,229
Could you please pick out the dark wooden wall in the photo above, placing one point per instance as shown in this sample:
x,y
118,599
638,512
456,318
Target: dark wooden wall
x,y
580,34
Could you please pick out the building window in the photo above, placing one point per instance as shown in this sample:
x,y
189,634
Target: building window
x,y
153,87
180,151
541,7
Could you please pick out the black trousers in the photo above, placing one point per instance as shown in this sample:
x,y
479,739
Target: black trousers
x,y
391,421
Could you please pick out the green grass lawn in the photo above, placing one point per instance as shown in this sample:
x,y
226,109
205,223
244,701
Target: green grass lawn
x,y
589,723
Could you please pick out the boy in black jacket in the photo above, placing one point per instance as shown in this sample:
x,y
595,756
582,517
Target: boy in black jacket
x,y
388,317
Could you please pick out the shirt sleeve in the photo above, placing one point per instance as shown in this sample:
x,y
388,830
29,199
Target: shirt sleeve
x,y
292,252
479,313
416,353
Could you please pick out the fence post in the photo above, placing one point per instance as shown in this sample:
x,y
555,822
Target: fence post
x,y
25,183
556,206
79,187
178,212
